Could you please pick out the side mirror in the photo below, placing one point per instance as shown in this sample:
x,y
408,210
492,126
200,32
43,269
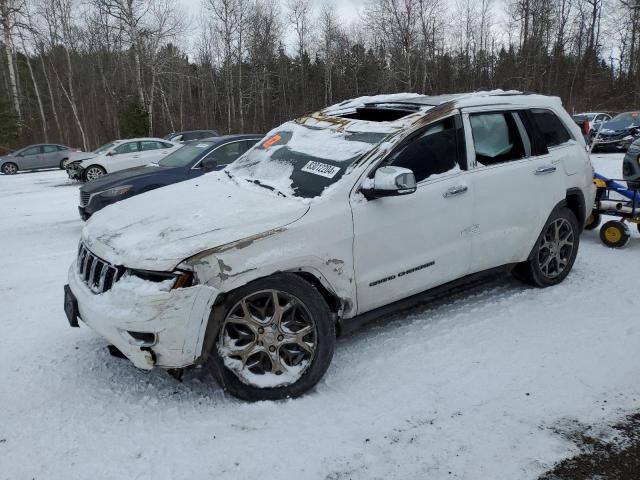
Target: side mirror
x,y
390,182
209,164
110,154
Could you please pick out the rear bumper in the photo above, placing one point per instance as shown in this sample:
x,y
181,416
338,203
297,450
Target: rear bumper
x,y
177,319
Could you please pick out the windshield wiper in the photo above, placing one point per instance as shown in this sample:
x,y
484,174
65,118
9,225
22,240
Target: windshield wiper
x,y
264,185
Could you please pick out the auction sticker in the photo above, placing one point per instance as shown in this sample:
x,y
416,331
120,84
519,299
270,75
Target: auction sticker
x,y
322,169
272,141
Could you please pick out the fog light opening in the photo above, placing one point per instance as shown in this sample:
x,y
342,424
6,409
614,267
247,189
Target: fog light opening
x,y
142,339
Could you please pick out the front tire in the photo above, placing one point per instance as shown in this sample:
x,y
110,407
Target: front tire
x,y
9,168
554,253
92,172
274,339
64,163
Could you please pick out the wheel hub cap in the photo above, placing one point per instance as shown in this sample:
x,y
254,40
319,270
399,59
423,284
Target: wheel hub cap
x,y
268,339
556,248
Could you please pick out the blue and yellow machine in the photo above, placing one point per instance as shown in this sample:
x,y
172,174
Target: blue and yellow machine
x,y
615,199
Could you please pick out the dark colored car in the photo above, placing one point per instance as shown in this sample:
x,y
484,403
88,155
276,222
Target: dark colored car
x,y
190,135
194,159
618,133
631,163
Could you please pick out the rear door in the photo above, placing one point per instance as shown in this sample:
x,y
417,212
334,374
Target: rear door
x,y
406,244
51,156
515,183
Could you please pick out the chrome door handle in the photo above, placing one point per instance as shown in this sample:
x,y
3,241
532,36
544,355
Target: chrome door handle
x,y
457,190
545,169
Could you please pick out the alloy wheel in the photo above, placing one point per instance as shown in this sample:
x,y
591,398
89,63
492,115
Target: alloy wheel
x,y
268,339
9,169
93,173
556,248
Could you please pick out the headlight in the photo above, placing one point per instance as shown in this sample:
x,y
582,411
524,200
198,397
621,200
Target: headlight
x,y
116,191
180,279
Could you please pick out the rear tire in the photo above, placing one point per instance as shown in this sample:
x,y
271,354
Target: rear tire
x,y
92,172
554,253
9,168
615,234
271,339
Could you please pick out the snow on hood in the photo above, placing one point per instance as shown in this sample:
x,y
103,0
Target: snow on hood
x,y
161,228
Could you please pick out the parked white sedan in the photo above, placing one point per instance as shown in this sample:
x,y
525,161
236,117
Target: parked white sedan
x,y
120,155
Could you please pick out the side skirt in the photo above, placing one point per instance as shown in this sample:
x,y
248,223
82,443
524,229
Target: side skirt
x,y
349,325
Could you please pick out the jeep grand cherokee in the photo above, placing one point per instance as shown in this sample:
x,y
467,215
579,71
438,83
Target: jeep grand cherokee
x,y
339,216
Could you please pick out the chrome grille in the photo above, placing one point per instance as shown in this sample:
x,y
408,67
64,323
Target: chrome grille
x,y
84,198
97,274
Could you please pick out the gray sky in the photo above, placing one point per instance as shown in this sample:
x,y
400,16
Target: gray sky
x,y
347,11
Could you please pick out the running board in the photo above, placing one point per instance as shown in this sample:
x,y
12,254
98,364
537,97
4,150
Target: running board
x,y
349,325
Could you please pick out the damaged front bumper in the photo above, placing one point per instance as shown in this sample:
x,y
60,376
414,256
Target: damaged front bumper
x,y
152,328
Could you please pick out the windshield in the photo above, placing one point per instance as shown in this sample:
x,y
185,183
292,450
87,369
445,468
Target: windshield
x,y
186,155
104,148
302,161
627,117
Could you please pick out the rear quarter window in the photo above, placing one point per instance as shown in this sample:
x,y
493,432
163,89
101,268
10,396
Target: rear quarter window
x,y
550,127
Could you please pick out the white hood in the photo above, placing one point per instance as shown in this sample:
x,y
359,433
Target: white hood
x,y
161,228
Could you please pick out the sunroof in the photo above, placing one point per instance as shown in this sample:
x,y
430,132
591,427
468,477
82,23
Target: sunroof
x,y
379,113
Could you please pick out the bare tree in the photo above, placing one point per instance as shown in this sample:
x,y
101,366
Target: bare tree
x,y
9,10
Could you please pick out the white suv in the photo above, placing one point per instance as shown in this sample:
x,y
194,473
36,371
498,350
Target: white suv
x,y
331,220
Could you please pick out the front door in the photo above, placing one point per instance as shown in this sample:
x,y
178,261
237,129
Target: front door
x,y
31,158
125,155
407,244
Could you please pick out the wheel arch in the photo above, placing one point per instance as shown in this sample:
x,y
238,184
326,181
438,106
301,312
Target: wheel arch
x,y
84,171
569,202
309,275
575,202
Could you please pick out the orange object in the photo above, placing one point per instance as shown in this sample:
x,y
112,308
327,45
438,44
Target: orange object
x,y
273,140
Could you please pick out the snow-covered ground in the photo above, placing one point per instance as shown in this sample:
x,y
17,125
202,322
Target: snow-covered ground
x,y
472,387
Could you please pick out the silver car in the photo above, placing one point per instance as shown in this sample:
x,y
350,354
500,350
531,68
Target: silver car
x,y
33,157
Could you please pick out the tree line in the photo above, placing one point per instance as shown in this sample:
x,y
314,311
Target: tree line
x,y
83,72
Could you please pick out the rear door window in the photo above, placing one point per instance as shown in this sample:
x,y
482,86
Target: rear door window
x,y
496,138
148,145
551,127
